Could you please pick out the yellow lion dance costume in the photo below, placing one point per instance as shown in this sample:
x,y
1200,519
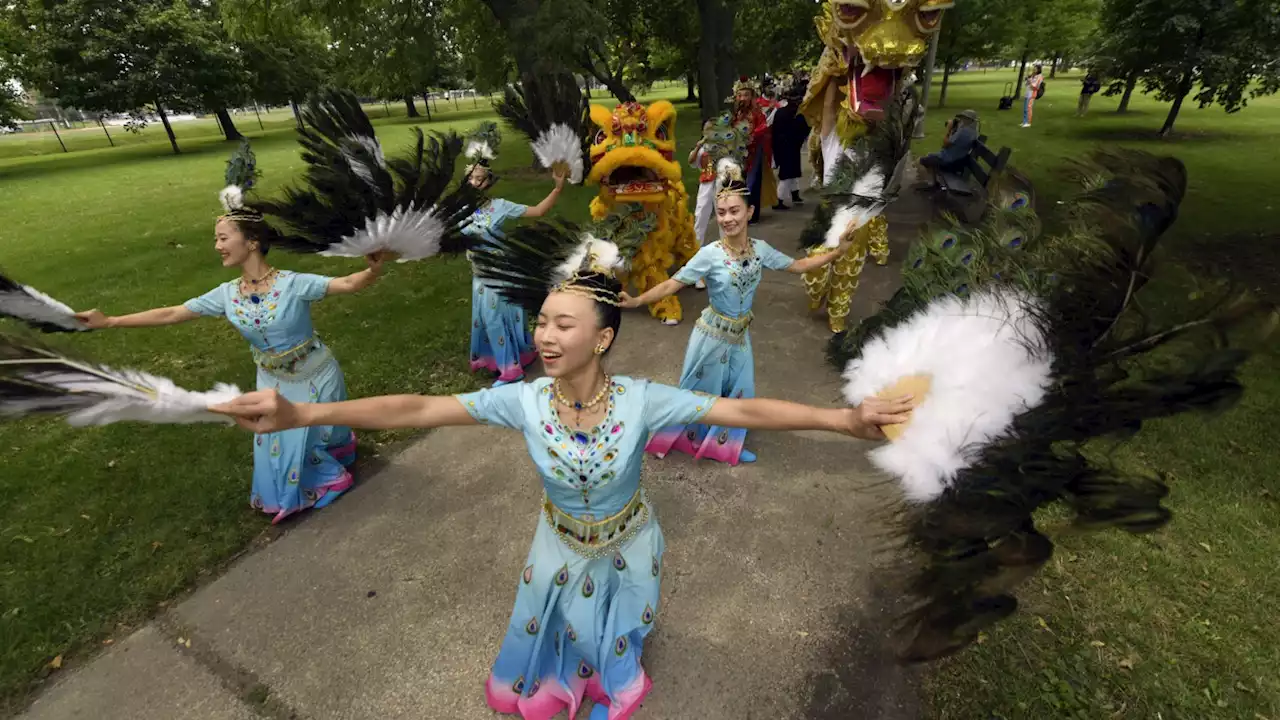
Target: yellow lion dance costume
x,y
633,161
869,46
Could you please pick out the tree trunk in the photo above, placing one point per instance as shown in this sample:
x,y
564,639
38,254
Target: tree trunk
x,y
1053,69
1129,85
942,91
297,113
1022,71
1184,89
691,82
426,101
168,129
104,130
409,107
715,56
228,125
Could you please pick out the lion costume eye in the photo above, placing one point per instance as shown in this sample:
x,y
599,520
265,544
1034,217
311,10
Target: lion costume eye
x,y
929,16
850,14
661,133
600,137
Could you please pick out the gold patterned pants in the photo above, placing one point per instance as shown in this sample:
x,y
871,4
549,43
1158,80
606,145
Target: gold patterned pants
x,y
836,283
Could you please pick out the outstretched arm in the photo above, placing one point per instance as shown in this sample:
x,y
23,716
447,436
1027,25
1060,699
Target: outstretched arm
x,y
96,320
664,289
863,421
268,411
804,265
355,282
549,201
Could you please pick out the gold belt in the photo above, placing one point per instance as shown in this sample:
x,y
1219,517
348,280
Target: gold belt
x,y
287,360
594,538
726,328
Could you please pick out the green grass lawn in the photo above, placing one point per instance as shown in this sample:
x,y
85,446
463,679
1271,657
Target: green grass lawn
x,y
1180,623
100,525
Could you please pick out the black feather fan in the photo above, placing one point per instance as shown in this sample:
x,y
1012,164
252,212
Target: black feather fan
x,y
972,544
36,309
355,201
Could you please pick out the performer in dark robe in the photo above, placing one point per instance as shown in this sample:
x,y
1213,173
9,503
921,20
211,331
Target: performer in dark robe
x,y
790,131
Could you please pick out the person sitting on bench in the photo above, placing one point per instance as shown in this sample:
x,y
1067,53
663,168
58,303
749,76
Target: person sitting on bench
x,y
962,135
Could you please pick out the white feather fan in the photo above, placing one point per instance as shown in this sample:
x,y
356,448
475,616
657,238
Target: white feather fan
x,y
987,363
559,145
411,234
605,254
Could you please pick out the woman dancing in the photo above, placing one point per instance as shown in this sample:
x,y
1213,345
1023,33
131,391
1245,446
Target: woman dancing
x,y
718,360
500,340
588,593
293,469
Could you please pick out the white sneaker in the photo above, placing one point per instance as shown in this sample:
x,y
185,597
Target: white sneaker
x,y
1026,124
701,284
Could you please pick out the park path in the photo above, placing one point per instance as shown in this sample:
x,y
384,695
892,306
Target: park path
x,y
391,603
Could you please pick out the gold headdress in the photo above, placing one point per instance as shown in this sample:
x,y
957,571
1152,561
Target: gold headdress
x,y
746,83
729,179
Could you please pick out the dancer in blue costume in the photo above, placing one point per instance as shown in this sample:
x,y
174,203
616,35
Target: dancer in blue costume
x,y
718,360
587,595
292,469
500,339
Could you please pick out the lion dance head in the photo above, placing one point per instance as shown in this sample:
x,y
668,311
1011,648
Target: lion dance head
x,y
633,152
871,47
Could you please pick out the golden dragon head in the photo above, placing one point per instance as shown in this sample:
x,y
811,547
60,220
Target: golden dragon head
x,y
633,151
877,40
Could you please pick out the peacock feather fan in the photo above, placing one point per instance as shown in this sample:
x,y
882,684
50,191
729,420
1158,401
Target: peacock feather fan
x,y
866,177
1078,360
25,303
355,202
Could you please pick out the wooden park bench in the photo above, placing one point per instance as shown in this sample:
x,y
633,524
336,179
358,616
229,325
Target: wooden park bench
x,y
967,192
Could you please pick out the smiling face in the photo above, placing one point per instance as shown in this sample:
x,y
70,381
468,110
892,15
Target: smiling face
x,y
732,215
232,245
568,330
479,177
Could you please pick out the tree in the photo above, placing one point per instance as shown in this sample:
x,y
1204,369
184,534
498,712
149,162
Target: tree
x,y
101,55
394,49
715,55
12,107
1226,52
972,29
603,39
775,35
483,55
1048,27
285,50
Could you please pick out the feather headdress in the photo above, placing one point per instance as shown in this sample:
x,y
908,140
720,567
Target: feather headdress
x,y
1053,350
533,261
35,380
25,303
552,113
241,175
864,178
356,201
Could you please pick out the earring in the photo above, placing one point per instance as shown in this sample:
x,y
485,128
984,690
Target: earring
x,y
600,349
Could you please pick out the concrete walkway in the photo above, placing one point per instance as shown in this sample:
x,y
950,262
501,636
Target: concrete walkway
x,y
392,602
